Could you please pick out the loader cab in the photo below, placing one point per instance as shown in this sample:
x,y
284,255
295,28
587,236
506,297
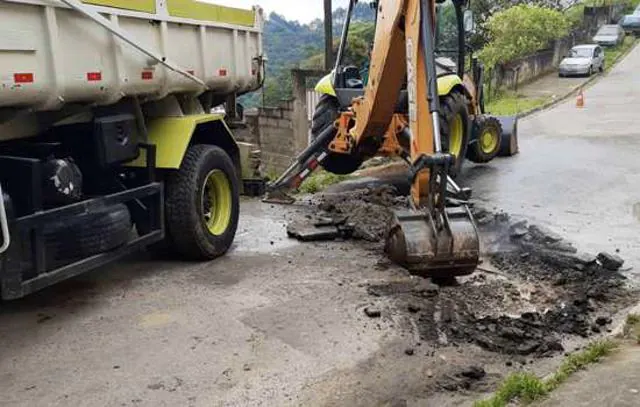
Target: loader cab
x,y
454,22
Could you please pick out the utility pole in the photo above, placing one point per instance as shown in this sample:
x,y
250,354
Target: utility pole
x,y
328,35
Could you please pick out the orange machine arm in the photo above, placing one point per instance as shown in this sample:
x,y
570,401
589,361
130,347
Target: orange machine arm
x,y
397,51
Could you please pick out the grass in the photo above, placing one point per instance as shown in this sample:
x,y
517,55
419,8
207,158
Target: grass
x,y
319,181
613,54
508,104
525,388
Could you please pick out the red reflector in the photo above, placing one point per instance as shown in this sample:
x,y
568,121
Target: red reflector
x,y
94,76
313,165
222,72
23,78
147,75
297,181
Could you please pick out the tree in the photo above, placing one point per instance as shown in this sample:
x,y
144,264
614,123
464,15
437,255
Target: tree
x,y
483,10
520,31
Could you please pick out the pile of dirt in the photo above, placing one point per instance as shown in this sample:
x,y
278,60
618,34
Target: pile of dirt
x,y
369,211
533,291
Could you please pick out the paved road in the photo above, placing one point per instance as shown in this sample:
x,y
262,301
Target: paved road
x,y
613,383
551,86
579,171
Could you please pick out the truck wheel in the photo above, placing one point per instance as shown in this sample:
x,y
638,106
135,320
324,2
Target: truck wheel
x,y
202,204
486,140
88,234
454,123
325,115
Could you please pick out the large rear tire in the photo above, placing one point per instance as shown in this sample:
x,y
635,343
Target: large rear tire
x,y
203,204
326,113
455,129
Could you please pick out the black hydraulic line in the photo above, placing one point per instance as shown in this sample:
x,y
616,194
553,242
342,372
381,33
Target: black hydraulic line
x,y
426,34
344,37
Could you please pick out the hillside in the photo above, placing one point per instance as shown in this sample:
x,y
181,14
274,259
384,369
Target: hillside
x,y
289,44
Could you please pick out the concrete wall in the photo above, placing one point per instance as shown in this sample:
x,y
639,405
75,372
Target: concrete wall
x,y
281,132
271,128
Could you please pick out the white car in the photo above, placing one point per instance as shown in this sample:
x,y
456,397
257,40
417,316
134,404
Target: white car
x,y
609,35
582,60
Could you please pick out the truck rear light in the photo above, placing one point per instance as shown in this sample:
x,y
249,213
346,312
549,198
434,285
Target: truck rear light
x,y
23,78
147,75
222,72
94,76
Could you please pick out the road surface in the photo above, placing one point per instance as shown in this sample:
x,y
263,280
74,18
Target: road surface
x,y
579,170
278,323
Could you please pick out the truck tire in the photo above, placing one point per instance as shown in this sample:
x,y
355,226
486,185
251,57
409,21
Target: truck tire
x,y
454,128
86,235
325,115
486,140
203,204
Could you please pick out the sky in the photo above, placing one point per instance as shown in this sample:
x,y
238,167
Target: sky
x,y
301,10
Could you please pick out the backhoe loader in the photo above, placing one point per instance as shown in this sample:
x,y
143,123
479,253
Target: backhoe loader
x,y
437,237
467,132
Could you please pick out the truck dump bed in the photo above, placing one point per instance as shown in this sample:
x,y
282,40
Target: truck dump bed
x,y
52,52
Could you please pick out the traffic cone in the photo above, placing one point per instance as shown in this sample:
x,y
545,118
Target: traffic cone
x,y
580,99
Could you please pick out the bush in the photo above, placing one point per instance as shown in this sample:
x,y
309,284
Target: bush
x,y
520,31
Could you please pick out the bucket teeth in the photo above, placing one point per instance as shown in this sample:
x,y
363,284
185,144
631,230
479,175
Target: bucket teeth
x,y
415,243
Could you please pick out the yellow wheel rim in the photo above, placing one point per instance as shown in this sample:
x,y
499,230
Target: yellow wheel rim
x,y
488,141
217,202
456,135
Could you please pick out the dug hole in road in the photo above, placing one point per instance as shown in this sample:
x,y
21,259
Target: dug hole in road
x,y
278,322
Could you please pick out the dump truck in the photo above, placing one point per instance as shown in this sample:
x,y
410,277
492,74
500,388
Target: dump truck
x,y
109,137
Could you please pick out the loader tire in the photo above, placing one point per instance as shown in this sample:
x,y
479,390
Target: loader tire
x,y
326,113
455,128
203,204
486,140
80,236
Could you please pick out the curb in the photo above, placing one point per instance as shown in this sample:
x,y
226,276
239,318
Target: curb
x,y
575,90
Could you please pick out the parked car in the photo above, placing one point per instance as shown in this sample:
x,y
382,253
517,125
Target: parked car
x,y
582,60
609,35
631,24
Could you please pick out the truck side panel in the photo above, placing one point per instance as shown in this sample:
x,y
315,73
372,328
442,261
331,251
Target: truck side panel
x,y
51,55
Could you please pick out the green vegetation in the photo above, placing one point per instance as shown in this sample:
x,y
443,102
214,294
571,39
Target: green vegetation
x,y
319,181
507,104
521,30
525,388
575,14
289,44
580,361
360,39
612,55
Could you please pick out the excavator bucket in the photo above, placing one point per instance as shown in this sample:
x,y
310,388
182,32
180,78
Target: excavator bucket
x,y
416,243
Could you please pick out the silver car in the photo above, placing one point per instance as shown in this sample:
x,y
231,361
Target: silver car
x,y
583,60
609,35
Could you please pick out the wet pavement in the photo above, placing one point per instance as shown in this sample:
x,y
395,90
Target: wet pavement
x,y
278,323
579,169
